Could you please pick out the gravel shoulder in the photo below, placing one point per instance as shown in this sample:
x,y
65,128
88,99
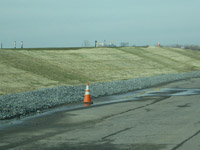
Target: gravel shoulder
x,y
22,104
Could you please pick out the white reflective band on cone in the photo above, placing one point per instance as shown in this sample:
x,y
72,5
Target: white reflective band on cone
x,y
87,93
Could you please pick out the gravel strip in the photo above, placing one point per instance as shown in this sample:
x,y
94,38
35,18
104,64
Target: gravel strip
x,y
21,104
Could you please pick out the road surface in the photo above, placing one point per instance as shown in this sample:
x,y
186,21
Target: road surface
x,y
162,120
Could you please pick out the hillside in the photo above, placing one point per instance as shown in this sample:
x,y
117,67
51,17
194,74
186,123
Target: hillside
x,y
26,70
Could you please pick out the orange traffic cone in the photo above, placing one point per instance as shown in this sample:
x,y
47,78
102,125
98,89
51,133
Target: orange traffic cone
x,y
158,44
87,100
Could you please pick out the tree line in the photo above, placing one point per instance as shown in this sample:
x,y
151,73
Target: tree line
x,y
192,47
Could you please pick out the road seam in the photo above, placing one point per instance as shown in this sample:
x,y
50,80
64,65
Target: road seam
x,y
115,133
183,142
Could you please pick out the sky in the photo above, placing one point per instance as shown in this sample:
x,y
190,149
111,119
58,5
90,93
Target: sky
x,y
68,23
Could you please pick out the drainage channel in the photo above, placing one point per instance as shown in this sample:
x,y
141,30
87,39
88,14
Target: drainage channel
x,y
130,96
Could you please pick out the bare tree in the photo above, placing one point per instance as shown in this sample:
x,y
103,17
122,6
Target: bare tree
x,y
193,47
86,43
124,44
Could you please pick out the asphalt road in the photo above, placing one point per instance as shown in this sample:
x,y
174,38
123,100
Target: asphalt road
x,y
162,120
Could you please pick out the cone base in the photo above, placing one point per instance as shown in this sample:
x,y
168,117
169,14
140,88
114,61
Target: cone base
x,y
88,102
87,99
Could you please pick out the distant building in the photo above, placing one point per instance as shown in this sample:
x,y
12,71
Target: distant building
x,y
100,44
104,44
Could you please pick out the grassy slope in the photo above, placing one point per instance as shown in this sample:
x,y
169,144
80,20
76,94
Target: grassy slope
x,y
25,70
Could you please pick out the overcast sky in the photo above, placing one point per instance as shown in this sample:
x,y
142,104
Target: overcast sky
x,y
67,23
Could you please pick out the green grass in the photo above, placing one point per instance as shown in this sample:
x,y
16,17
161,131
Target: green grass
x,y
30,69
39,67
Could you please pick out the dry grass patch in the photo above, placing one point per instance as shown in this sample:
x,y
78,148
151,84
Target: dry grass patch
x,y
25,70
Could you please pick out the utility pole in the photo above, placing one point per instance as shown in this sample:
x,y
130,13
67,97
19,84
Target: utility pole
x,y
95,43
15,44
104,43
22,44
1,45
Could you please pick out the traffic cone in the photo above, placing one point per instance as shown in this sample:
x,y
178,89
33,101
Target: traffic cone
x,y
87,100
158,44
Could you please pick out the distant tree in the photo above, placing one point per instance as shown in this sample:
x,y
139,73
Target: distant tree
x,y
178,46
193,47
124,44
86,43
175,46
